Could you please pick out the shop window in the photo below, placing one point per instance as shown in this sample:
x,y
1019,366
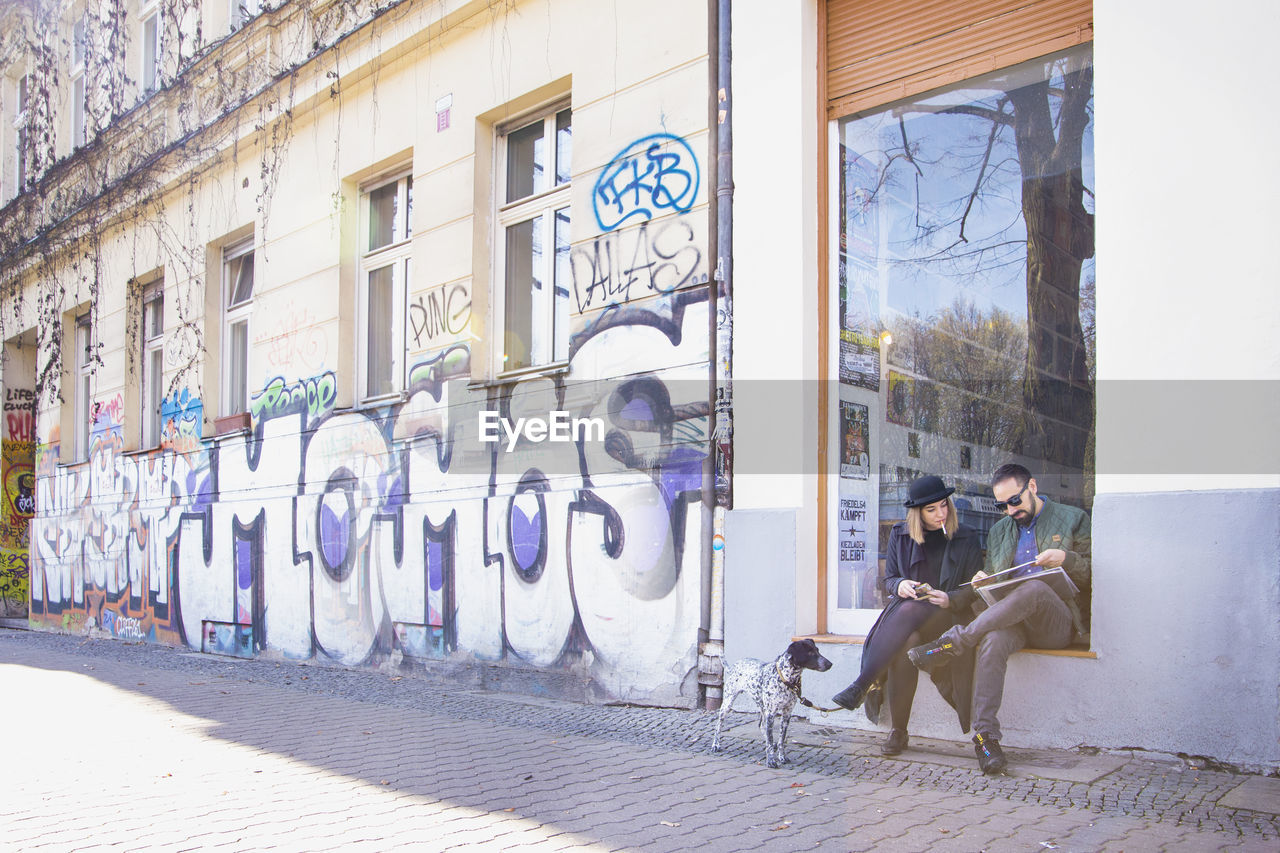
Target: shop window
x,y
385,266
533,242
237,312
963,280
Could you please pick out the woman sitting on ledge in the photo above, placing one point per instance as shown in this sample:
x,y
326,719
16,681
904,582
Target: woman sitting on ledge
x,y
930,555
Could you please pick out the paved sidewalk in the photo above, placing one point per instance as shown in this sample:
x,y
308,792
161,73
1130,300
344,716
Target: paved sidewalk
x,y
131,747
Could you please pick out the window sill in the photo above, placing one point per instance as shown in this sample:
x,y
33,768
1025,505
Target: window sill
x,y
228,425
1076,651
559,368
378,402
140,451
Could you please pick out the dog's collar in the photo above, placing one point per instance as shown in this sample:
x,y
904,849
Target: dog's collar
x,y
794,686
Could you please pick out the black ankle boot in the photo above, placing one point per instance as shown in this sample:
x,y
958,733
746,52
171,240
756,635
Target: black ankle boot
x,y
930,655
895,743
851,697
990,756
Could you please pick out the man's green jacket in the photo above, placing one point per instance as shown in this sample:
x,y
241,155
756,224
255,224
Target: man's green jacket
x,y
1058,526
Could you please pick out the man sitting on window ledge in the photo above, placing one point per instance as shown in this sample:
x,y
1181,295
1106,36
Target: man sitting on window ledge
x,y
1035,534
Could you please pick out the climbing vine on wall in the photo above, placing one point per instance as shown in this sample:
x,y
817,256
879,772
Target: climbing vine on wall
x,y
148,156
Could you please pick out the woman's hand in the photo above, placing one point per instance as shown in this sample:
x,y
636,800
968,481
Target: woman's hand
x,y
907,590
940,598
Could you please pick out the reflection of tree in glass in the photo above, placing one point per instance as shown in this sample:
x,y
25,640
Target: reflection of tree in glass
x,y
974,360
1048,120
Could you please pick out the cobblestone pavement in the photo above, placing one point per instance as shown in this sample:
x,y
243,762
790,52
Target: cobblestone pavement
x,y
125,746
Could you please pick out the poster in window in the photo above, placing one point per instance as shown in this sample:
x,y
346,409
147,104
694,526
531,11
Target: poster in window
x,y
855,438
855,578
858,215
859,320
900,392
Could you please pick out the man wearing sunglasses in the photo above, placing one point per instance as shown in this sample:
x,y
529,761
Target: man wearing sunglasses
x,y
1047,535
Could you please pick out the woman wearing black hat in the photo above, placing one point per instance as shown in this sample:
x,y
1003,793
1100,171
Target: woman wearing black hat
x,y
930,555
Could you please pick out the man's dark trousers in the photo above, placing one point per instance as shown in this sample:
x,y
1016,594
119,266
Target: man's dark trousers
x,y
1031,615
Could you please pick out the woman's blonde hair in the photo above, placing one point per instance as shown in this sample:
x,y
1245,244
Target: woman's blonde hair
x,y
915,521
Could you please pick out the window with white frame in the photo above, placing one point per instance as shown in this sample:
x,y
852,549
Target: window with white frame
x,y
78,94
237,308
152,32
242,11
20,121
152,362
532,269
385,263
83,377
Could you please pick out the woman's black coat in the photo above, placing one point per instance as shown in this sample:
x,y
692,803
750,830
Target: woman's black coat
x,y
905,559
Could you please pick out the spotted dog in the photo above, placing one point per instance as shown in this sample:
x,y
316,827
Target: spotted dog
x,y
775,687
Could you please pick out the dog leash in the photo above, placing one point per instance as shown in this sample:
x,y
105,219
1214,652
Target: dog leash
x,y
795,688
805,702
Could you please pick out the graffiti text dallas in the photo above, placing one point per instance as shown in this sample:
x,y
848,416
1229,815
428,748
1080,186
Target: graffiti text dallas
x,y
558,427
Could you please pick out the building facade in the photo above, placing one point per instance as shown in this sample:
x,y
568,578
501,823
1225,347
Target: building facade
x,y
921,248
364,332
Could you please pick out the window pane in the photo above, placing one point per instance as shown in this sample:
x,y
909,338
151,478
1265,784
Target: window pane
x,y
383,203
526,159
153,396
238,370
523,293
153,317
21,155
240,273
77,111
564,146
965,272
563,280
82,392
378,340
82,344
243,10
77,43
408,209
150,51
84,426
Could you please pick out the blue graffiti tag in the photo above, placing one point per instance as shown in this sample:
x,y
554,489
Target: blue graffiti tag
x,y
658,172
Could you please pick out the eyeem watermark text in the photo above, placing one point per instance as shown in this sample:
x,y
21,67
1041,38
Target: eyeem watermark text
x,y
557,426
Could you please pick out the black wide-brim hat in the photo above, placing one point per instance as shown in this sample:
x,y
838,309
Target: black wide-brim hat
x,y
926,490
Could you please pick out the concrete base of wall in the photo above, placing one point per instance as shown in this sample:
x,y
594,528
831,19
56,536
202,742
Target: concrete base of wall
x,y
759,583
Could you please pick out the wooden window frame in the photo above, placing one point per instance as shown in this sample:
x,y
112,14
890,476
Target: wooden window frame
x,y
960,40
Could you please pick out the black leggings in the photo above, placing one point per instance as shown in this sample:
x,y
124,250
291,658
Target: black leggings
x,y
910,624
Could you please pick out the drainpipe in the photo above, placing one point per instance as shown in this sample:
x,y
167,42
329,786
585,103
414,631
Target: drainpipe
x,y
711,657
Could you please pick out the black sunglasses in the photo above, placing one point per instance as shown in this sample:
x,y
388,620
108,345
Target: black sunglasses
x,y
1016,500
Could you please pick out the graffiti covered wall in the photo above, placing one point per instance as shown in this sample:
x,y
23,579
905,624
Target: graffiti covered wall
x,y
17,480
353,536
388,531
397,532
